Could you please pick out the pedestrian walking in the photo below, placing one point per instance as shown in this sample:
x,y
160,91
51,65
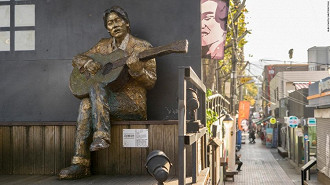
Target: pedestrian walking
x,y
252,136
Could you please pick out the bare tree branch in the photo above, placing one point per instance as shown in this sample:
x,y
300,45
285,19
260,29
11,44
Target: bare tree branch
x,y
239,11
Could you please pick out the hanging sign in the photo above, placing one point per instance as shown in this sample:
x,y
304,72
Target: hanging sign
x,y
214,16
311,121
272,120
293,121
243,112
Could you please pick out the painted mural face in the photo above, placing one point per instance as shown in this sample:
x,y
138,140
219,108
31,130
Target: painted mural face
x,y
213,25
210,27
117,27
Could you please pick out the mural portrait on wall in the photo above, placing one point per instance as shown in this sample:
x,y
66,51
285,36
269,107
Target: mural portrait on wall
x,y
214,15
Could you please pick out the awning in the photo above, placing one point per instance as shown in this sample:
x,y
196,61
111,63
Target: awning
x,y
266,119
300,85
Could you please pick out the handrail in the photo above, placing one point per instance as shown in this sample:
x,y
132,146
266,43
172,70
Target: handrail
x,y
217,103
213,96
306,167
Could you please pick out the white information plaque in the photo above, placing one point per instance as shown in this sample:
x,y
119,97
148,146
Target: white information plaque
x,y
135,137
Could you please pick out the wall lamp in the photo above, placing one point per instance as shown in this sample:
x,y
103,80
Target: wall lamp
x,y
158,165
228,121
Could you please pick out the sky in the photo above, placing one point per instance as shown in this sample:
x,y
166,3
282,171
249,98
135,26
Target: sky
x,y
279,25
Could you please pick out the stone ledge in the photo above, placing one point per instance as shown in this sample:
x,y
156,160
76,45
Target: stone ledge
x,y
282,152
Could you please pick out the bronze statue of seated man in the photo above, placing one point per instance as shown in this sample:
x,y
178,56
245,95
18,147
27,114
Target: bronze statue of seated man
x,y
127,102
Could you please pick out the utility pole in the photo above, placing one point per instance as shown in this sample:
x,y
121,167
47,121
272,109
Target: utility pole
x,y
232,134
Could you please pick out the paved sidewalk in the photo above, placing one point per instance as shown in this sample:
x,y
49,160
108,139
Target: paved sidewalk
x,y
260,167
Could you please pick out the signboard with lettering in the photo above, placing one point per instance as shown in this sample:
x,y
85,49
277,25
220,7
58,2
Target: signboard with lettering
x,y
243,80
311,121
269,137
293,121
272,120
135,137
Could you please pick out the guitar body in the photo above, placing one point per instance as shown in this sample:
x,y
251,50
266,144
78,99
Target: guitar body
x,y
81,83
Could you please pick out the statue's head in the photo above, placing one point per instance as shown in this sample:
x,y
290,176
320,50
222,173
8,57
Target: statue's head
x,y
116,21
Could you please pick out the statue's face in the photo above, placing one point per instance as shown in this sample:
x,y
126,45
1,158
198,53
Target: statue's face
x,y
117,26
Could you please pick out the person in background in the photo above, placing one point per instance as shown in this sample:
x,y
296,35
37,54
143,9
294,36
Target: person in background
x,y
252,134
238,161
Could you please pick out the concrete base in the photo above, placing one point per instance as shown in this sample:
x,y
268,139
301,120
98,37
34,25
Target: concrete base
x,y
282,152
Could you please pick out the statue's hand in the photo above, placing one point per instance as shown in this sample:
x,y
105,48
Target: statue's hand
x,y
92,67
79,61
133,63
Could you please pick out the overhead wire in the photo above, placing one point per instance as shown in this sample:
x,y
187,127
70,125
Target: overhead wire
x,y
285,96
283,79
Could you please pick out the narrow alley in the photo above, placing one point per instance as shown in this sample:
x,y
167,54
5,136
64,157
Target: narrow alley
x,y
265,166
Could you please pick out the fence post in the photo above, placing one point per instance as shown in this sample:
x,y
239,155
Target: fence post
x,y
182,127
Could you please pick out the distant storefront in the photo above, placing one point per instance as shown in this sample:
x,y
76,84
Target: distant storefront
x,y
319,97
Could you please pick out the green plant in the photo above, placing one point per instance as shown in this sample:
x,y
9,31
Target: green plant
x,y
211,117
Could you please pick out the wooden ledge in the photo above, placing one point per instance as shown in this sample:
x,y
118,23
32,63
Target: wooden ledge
x,y
190,138
203,177
148,122
231,173
73,123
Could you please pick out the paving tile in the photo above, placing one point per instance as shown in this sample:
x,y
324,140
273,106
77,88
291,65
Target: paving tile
x,y
259,167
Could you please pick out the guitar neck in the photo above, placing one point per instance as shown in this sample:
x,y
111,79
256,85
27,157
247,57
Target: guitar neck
x,y
175,47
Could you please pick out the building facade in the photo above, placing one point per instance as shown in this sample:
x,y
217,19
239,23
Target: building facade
x,y
269,73
319,99
318,58
288,81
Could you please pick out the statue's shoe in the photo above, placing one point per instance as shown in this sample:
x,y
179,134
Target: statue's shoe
x,y
98,144
74,171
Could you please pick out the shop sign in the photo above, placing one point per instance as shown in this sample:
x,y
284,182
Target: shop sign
x,y
269,137
293,121
245,79
306,137
272,120
311,122
299,132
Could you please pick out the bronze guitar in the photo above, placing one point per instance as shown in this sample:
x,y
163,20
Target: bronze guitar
x,y
114,71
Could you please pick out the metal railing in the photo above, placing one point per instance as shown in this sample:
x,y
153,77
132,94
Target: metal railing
x,y
217,103
306,168
187,74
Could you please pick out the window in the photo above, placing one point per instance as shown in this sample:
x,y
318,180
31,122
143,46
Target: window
x,y
17,25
